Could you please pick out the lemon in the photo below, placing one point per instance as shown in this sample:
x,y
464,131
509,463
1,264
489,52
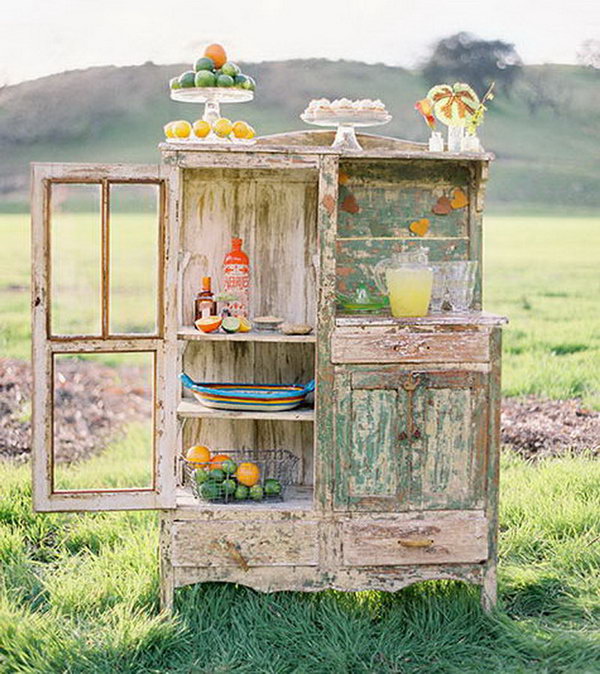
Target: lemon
x,y
222,127
181,129
168,129
240,129
250,133
201,128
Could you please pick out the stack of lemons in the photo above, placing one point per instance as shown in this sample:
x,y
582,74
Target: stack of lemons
x,y
223,128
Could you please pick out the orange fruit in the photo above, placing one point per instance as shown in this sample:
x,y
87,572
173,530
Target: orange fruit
x,y
181,128
248,474
198,455
201,128
208,324
217,54
217,461
240,129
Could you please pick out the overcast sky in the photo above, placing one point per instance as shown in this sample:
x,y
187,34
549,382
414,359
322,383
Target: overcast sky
x,y
39,37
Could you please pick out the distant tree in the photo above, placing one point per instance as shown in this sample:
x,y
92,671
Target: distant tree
x,y
465,58
588,54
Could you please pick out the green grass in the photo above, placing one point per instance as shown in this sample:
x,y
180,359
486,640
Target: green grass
x,y
542,272
79,593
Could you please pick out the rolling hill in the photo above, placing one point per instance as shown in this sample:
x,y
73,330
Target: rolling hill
x,y
545,136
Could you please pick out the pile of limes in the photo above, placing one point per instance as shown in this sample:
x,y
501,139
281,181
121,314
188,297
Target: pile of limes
x,y
223,128
213,69
219,478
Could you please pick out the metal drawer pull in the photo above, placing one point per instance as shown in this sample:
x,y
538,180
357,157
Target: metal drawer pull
x,y
236,555
415,542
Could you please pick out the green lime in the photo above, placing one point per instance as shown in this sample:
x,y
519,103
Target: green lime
x,y
229,486
241,493
174,83
230,69
204,78
216,475
224,81
204,63
211,491
231,324
201,476
256,492
249,83
228,466
272,487
238,81
187,79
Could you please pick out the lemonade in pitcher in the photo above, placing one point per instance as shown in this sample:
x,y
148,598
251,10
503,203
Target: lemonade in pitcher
x,y
408,282
409,289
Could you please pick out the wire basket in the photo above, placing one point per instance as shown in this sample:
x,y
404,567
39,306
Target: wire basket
x,y
278,465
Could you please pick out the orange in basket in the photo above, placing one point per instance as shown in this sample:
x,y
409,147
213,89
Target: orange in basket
x,y
247,474
198,455
217,461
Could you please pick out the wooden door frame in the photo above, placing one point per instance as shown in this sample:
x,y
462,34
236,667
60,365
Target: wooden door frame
x,y
163,345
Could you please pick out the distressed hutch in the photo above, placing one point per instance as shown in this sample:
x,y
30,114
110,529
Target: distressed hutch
x,y
398,453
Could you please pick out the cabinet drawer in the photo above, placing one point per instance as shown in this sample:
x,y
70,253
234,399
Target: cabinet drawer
x,y
245,543
401,345
426,538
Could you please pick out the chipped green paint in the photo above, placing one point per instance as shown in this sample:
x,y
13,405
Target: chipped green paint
x,y
387,211
356,258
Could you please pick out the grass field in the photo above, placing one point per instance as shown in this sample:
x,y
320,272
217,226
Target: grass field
x,y
79,593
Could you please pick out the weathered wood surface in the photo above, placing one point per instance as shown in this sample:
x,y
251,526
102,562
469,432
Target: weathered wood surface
x,y
314,579
477,319
192,334
250,543
443,538
298,503
402,345
410,439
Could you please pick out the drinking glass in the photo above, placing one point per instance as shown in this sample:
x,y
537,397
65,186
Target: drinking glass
x,y
460,283
438,288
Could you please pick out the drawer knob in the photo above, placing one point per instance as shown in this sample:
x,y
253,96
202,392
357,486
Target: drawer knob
x,y
236,555
415,542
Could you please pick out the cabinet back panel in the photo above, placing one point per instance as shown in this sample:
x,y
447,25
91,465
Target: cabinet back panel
x,y
274,214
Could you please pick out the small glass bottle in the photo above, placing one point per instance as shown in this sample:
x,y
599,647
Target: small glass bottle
x,y
204,304
236,278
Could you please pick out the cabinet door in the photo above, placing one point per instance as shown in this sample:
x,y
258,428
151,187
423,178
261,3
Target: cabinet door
x,y
410,440
104,273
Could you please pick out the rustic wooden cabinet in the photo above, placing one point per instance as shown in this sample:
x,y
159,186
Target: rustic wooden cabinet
x,y
399,452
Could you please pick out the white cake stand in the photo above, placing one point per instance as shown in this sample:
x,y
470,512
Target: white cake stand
x,y
345,137
211,97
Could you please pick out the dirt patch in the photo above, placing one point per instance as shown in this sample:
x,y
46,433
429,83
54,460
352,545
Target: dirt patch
x,y
92,403
537,427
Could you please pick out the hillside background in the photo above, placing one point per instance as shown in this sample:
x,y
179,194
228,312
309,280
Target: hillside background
x,y
545,135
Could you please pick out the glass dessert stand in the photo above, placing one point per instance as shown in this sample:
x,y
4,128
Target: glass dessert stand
x,y
212,97
345,137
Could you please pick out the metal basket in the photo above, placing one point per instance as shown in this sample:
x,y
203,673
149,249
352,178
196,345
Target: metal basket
x,y
280,464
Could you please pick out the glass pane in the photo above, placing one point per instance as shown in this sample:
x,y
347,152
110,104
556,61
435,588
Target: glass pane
x,y
103,428
134,252
75,259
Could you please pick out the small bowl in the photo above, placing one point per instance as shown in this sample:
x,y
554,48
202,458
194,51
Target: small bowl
x,y
263,323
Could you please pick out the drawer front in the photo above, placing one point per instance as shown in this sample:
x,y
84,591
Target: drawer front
x,y
430,538
245,544
391,345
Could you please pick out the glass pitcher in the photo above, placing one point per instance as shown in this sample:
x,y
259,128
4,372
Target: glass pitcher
x,y
407,278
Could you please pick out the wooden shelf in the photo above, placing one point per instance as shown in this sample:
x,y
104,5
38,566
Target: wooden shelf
x,y
190,333
188,408
296,498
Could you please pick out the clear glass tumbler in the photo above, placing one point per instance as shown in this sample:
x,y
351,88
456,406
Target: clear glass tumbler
x,y
438,288
460,283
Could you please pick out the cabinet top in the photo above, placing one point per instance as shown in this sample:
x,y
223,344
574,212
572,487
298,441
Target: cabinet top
x,y
319,143
473,318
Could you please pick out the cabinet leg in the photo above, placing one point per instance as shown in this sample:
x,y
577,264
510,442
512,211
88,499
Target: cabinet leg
x,y
167,582
489,589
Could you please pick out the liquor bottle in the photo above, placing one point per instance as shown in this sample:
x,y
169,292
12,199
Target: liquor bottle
x,y
204,304
236,278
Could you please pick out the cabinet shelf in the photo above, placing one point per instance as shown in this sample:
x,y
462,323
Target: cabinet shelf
x,y
188,408
296,498
189,333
